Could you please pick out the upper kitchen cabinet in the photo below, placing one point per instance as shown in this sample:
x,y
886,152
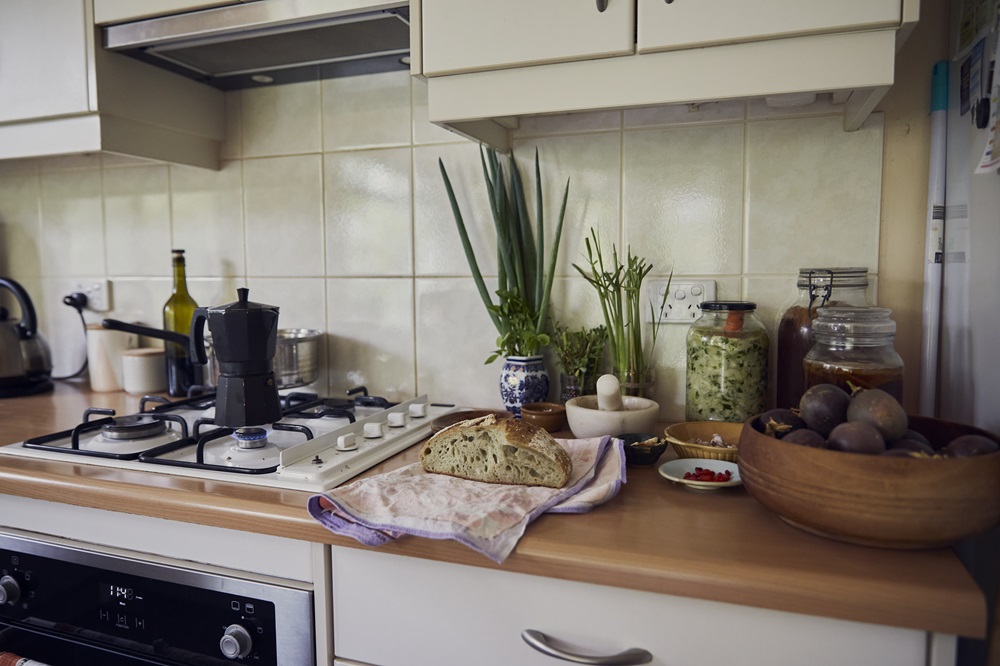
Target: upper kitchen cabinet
x,y
115,11
67,95
471,35
488,65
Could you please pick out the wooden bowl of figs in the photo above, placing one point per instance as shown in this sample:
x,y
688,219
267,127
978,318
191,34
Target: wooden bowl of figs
x,y
916,483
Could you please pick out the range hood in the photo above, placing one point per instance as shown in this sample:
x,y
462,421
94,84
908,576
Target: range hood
x,y
271,41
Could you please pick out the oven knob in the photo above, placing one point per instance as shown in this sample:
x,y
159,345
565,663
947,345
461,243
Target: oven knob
x,y
374,430
10,591
236,642
397,419
346,442
418,410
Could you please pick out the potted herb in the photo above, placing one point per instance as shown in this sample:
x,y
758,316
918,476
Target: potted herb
x,y
524,284
580,352
619,288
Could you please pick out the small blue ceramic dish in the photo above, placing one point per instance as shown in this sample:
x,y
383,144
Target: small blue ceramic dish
x,y
643,449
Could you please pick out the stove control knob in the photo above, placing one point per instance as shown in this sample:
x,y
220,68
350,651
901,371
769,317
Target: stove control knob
x,y
10,591
236,643
347,442
418,410
374,430
397,419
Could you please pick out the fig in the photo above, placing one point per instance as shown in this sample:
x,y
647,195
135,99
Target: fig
x,y
856,437
880,410
824,406
806,437
913,434
779,422
913,445
967,446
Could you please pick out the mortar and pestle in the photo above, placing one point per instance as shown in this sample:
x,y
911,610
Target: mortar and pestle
x,y
609,412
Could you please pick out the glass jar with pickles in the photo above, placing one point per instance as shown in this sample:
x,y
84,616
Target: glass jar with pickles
x,y
727,360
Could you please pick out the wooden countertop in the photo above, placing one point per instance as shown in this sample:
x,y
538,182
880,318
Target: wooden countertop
x,y
654,536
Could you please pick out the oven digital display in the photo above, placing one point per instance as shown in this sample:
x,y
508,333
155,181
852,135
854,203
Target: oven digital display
x,y
120,605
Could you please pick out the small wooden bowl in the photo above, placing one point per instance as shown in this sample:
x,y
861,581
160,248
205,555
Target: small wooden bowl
x,y
871,500
548,415
685,437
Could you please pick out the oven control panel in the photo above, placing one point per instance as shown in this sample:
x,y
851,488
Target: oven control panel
x,y
172,614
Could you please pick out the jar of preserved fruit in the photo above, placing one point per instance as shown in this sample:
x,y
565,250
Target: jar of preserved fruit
x,y
854,349
727,350
818,287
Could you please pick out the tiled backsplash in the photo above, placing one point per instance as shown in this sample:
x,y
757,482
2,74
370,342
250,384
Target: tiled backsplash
x,y
331,206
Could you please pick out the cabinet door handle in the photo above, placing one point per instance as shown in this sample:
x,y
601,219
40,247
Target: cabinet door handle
x,y
540,642
602,5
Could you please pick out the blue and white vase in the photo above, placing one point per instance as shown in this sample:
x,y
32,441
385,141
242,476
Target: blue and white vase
x,y
523,380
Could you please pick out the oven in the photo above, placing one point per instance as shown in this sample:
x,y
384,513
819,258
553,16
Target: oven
x,y
64,605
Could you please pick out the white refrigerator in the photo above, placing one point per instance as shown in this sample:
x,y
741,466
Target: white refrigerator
x,y
968,370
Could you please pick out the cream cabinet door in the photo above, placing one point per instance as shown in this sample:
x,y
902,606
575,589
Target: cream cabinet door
x,y
43,59
406,611
116,11
475,35
677,24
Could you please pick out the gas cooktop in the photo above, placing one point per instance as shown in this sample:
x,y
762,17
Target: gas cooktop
x,y
318,444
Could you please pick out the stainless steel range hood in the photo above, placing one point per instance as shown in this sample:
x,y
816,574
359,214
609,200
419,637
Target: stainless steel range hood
x,y
271,41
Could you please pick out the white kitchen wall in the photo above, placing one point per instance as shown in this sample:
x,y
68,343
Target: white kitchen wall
x,y
331,206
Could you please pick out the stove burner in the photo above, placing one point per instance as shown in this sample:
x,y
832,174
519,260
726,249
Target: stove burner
x,y
135,426
250,438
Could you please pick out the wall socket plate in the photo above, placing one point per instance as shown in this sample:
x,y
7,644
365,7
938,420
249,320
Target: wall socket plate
x,y
681,305
98,294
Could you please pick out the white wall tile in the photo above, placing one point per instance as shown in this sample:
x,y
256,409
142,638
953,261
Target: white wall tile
x,y
424,131
366,111
455,336
437,247
683,198
207,219
810,180
568,123
685,114
281,120
20,227
284,216
369,223
592,165
72,223
370,323
137,220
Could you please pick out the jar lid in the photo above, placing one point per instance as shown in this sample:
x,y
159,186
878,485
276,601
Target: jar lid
x,y
855,276
854,321
717,306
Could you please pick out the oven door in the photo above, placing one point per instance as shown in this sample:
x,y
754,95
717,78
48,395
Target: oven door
x,y
63,605
57,649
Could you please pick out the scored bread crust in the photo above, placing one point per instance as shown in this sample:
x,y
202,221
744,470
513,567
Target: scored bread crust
x,y
498,451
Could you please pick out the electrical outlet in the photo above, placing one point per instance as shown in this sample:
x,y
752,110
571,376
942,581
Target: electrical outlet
x,y
98,294
681,304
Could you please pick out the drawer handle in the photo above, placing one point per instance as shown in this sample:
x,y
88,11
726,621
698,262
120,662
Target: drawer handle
x,y
540,642
602,5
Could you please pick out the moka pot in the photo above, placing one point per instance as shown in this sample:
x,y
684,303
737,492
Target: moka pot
x,y
245,337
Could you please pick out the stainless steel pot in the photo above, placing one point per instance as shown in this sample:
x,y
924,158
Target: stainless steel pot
x,y
296,361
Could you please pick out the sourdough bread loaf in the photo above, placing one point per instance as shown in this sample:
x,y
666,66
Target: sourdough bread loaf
x,y
498,451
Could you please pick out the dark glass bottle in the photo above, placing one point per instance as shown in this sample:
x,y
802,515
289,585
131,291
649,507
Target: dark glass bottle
x,y
177,314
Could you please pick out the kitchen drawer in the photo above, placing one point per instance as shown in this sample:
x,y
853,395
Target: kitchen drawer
x,y
400,611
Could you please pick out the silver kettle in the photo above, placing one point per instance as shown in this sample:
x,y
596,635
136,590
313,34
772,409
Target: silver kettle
x,y
25,359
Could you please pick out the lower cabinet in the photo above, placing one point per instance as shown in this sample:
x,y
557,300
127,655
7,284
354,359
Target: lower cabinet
x,y
390,610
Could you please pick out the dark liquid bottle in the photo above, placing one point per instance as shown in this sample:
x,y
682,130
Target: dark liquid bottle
x,y
177,314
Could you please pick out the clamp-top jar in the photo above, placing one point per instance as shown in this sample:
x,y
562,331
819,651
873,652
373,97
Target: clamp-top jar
x,y
727,351
818,287
854,349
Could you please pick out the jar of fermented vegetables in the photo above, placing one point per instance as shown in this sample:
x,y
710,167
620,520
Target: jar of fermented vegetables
x,y
727,351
